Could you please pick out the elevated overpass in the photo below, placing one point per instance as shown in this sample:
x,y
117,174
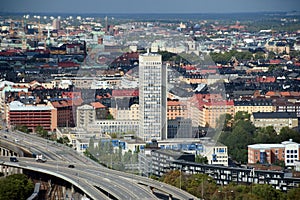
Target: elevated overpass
x,y
94,180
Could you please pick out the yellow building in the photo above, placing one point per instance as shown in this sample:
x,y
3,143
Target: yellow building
x,y
252,106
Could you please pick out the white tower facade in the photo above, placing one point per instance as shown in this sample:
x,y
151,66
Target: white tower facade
x,y
152,97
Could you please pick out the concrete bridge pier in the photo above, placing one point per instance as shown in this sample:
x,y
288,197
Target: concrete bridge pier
x,y
9,170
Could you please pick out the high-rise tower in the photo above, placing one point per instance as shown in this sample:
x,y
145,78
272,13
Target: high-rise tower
x,y
152,97
56,24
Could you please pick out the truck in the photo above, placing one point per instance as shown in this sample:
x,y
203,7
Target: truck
x,y
40,158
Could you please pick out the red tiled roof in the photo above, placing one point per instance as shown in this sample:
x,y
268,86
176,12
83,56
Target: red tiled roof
x,y
219,103
275,61
268,79
286,94
174,103
271,93
97,105
189,67
61,104
125,93
66,103
19,86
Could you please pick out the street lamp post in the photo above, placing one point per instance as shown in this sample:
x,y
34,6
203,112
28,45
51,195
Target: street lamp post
x,y
202,188
180,177
111,161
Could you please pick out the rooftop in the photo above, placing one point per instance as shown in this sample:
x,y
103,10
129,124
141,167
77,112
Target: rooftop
x,y
274,115
18,106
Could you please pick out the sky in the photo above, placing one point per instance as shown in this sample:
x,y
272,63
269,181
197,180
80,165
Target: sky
x,y
147,6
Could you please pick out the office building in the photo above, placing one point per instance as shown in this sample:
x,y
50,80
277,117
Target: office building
x,y
287,151
152,100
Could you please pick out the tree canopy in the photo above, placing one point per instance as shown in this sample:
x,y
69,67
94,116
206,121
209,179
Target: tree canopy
x,y
204,187
15,187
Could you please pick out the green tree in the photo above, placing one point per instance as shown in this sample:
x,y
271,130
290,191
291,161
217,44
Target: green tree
x,y
63,140
241,115
266,135
200,185
22,128
109,116
286,133
15,187
240,137
201,159
41,131
114,135
293,194
259,55
267,192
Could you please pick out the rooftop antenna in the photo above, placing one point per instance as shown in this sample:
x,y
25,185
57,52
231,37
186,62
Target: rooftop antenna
x,y
48,35
40,29
106,28
24,41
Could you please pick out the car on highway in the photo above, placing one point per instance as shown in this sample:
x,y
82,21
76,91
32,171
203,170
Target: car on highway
x,y
71,166
13,159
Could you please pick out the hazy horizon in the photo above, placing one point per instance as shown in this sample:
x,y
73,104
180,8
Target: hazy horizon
x,y
148,7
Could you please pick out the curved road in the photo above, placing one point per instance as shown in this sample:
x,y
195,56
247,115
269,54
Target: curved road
x,y
89,173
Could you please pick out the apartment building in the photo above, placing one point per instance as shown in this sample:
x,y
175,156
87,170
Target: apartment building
x,y
176,109
276,119
124,108
162,158
66,112
212,110
251,106
32,116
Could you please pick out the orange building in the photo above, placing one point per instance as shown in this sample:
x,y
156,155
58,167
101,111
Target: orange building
x,y
176,109
32,116
211,107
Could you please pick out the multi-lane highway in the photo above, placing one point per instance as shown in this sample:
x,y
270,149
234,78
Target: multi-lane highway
x,y
87,174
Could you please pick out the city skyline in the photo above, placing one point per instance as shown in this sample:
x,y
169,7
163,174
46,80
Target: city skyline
x,y
154,6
